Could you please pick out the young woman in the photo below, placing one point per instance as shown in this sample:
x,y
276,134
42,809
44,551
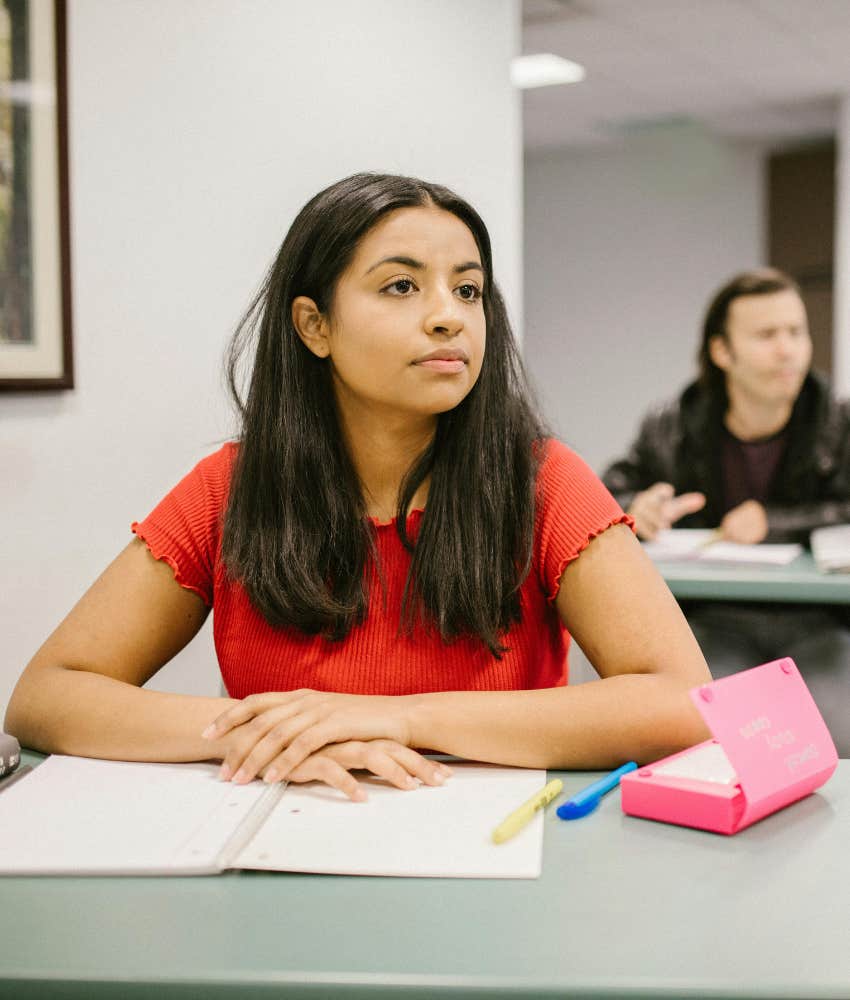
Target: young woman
x,y
394,549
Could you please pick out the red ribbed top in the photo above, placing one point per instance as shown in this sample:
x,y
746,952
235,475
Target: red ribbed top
x,y
185,530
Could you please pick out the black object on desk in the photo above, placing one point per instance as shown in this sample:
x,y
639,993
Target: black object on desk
x,y
10,754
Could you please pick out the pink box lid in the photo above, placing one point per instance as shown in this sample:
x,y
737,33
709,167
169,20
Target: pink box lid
x,y
772,732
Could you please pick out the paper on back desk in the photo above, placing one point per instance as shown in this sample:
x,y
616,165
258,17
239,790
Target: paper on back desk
x,y
831,548
763,554
701,544
678,543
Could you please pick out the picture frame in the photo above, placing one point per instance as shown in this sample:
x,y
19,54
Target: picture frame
x,y
35,261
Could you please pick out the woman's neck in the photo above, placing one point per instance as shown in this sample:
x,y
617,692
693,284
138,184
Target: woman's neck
x,y
382,448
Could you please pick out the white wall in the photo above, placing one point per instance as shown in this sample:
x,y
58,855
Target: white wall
x,y
198,128
841,314
623,247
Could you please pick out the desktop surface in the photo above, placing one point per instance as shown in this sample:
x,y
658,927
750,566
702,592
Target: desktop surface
x,y
799,581
625,908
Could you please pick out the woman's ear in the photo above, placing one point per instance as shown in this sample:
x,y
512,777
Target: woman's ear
x,y
311,326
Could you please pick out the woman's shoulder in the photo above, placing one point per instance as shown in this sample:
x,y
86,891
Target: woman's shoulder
x,y
202,492
220,462
214,471
559,465
573,507
567,488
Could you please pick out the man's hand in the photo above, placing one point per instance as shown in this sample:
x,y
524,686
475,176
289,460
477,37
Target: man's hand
x,y
657,508
746,523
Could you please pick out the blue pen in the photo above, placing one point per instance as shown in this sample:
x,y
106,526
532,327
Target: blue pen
x,y
588,798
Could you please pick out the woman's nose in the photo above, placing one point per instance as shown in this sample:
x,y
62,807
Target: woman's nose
x,y
444,314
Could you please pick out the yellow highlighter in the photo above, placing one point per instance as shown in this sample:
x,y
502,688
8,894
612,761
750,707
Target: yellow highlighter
x,y
519,817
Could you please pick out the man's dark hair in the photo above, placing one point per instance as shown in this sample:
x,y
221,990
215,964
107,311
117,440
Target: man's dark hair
x,y
760,281
296,535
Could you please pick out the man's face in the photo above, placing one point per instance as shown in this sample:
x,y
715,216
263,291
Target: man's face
x,y
767,349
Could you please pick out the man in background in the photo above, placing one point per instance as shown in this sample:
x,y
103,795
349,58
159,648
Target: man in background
x,y
759,448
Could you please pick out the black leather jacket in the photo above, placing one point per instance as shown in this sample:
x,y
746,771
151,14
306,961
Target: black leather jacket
x,y
679,443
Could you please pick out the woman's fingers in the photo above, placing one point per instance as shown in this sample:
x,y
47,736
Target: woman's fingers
x,y
394,763
301,730
236,715
398,765
285,733
322,768
382,764
429,772
373,757
240,742
248,709
312,738
264,739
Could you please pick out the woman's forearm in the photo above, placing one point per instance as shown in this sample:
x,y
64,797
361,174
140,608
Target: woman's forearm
x,y
595,725
59,710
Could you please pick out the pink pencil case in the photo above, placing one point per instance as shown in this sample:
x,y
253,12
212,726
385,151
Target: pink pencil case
x,y
771,747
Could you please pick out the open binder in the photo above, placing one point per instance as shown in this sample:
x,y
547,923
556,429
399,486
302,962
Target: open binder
x,y
76,816
771,747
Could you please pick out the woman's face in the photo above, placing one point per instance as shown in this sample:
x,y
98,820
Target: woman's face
x,y
406,331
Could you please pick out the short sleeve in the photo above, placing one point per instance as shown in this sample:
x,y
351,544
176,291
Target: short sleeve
x,y
573,507
184,529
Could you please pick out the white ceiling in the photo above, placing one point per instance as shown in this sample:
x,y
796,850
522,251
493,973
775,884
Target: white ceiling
x,y
767,70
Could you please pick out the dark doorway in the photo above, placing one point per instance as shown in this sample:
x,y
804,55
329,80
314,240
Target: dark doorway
x,y
801,233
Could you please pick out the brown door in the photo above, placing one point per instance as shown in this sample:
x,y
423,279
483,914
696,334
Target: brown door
x,y
801,233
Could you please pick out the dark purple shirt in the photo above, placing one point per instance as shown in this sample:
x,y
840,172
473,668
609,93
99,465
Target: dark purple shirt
x,y
749,467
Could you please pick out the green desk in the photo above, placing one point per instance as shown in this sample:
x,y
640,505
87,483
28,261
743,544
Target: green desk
x,y
625,908
798,581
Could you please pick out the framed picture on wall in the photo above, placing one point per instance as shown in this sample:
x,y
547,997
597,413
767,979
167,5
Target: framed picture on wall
x,y
35,267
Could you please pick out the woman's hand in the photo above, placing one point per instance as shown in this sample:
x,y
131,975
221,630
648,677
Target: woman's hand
x,y
396,764
274,733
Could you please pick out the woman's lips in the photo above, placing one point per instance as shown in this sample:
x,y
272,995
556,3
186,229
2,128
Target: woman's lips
x,y
445,366
444,361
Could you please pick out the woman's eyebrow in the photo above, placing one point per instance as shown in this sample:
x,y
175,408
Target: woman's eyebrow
x,y
470,265
407,261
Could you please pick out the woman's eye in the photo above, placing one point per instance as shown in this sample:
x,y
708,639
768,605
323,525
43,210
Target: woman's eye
x,y
402,286
469,292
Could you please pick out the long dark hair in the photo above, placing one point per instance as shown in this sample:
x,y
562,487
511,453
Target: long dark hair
x,y
759,281
296,535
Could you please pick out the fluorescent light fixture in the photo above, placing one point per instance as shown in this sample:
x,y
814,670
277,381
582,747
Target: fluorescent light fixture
x,y
544,70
